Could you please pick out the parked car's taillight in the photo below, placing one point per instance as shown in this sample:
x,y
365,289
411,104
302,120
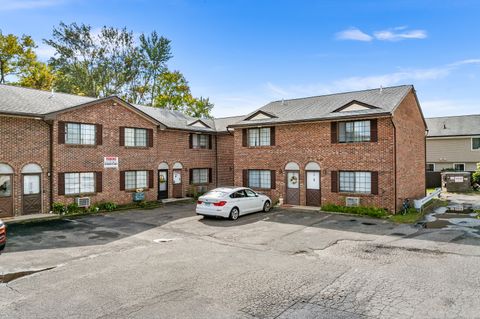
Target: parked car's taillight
x,y
222,203
199,202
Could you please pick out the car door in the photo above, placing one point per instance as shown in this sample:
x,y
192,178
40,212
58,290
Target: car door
x,y
240,200
255,203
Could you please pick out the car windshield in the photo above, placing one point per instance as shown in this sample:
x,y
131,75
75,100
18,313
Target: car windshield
x,y
216,194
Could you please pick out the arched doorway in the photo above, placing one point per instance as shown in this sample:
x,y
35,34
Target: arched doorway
x,y
162,181
6,190
312,184
31,189
177,180
292,184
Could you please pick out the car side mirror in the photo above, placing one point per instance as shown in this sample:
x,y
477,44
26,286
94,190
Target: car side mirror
x,y
256,195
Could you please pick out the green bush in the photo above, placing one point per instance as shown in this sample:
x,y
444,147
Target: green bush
x,y
359,210
72,209
93,209
476,175
59,208
108,206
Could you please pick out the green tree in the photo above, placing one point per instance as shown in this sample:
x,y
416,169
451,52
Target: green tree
x,y
37,75
15,54
476,175
155,52
173,93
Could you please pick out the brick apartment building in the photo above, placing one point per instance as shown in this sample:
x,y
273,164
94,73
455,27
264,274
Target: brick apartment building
x,y
366,146
58,147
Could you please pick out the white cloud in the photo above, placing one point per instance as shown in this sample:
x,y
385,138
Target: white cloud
x,y
354,34
11,5
392,34
371,81
437,107
44,52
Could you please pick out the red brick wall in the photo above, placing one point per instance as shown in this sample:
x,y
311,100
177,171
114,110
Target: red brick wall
x,y
225,159
302,143
18,149
170,146
410,145
73,158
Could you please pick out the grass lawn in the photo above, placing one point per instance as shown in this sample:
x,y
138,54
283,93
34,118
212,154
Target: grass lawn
x,y
409,218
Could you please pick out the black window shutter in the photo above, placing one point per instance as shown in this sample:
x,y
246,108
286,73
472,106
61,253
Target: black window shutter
x,y
122,135
190,140
374,183
190,179
244,137
272,136
61,183
150,137
334,179
98,182
210,141
333,132
273,182
245,178
150,179
99,134
210,175
61,132
373,130
122,180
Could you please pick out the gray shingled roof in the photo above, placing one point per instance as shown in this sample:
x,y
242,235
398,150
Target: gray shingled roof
x,y
454,125
324,106
31,102
25,101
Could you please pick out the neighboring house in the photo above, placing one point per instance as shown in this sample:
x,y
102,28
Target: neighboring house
x,y
453,143
56,147
366,145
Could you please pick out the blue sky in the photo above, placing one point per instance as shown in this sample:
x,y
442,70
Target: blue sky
x,y
243,54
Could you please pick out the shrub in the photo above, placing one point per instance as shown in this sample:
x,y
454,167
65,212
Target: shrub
x,y
476,175
93,209
108,206
359,210
72,208
59,208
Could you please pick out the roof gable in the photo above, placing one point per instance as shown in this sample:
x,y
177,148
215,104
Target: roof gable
x,y
355,106
259,115
199,123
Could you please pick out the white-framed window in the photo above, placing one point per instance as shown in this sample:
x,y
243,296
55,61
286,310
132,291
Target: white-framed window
x,y
356,182
136,137
136,179
460,167
200,175
79,133
200,141
259,136
79,183
259,179
430,167
356,131
475,143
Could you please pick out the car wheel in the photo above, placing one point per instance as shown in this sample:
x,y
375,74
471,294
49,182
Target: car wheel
x,y
234,213
267,206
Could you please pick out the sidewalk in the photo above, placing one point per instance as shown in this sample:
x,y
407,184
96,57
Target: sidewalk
x,y
31,217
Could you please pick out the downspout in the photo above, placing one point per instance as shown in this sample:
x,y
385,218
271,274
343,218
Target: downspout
x,y
395,161
216,161
50,164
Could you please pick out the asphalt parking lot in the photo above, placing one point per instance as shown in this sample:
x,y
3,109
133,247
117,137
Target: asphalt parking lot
x,y
170,263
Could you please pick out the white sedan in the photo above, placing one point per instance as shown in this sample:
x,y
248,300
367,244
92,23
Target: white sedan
x,y
231,202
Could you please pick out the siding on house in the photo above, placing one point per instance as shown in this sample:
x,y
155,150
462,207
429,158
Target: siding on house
x,y
446,151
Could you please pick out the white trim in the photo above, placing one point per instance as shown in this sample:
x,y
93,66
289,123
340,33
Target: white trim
x,y
292,166
434,167
471,144
464,166
163,165
312,166
177,165
456,137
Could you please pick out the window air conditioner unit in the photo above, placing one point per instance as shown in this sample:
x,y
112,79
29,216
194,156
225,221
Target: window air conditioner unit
x,y
352,201
82,201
